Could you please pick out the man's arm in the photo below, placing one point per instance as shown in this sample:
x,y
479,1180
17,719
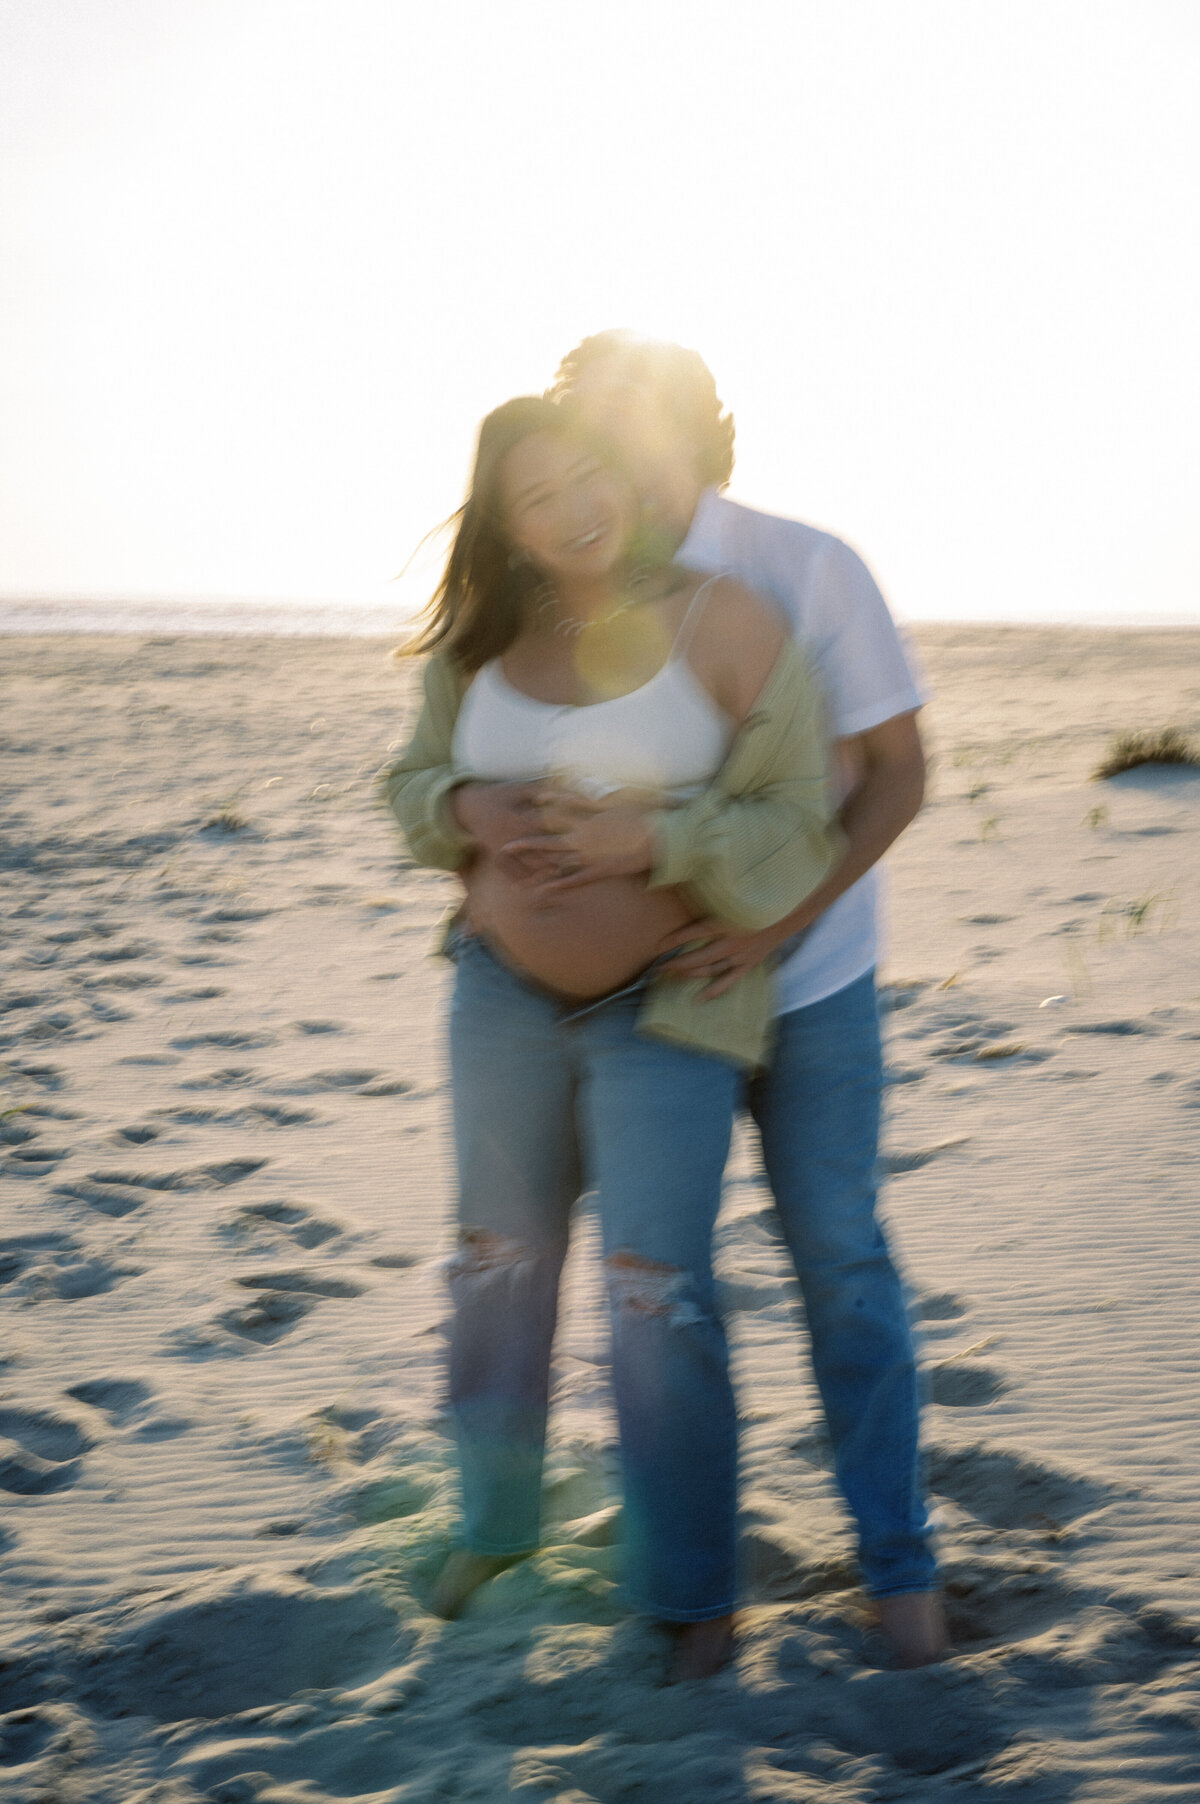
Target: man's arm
x,y
886,798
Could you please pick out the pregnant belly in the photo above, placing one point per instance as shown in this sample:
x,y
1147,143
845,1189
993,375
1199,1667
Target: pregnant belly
x,y
584,942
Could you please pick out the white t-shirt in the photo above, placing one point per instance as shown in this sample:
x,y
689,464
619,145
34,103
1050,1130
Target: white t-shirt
x,y
866,673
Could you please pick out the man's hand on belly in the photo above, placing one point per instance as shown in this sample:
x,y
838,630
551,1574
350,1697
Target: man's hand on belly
x,y
725,953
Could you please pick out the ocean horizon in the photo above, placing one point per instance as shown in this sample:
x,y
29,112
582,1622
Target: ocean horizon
x,y
272,618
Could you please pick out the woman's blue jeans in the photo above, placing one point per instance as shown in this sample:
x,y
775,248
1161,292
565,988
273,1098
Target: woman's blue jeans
x,y
550,1099
817,1110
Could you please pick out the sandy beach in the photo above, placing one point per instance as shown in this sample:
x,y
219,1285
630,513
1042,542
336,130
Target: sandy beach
x,y
225,1189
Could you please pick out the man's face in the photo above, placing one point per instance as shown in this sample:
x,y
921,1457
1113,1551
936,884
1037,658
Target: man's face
x,y
618,399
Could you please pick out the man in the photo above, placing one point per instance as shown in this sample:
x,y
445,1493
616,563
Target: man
x,y
818,1107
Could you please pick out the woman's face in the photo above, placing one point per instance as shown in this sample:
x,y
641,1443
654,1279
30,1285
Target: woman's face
x,y
566,510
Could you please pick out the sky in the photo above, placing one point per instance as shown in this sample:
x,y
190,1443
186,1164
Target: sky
x,y
264,264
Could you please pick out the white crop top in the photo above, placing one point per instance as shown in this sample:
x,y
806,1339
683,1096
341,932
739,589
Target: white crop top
x,y
668,735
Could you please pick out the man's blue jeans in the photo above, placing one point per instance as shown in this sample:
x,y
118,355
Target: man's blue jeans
x,y
817,1110
550,1099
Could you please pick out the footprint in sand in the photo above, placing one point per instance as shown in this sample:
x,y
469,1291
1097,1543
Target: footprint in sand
x,y
124,1401
127,951
895,1164
68,1276
1105,1645
119,1398
238,1644
33,1161
1048,1634
961,1383
248,1115
121,980
281,1298
775,1567
278,1219
341,1434
971,1039
119,1193
46,1749
235,911
196,1177
1004,1596
229,1077
1118,1028
139,1133
271,1315
23,1153
1006,1491
39,1452
46,1077
939,1306
325,1082
21,999
313,1284
18,1251
231,1037
110,1199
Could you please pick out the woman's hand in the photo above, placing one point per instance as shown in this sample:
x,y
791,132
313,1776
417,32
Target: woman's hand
x,y
583,840
493,813
726,954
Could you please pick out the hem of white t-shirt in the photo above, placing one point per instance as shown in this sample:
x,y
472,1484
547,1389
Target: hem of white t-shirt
x,y
904,701
833,989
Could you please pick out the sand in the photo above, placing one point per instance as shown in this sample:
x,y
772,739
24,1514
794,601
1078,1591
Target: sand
x,y
225,1187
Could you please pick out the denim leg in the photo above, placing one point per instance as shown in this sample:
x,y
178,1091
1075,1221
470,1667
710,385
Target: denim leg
x,y
817,1110
656,1122
518,1173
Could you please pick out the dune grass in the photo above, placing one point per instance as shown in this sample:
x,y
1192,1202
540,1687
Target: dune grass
x,y
1167,745
227,819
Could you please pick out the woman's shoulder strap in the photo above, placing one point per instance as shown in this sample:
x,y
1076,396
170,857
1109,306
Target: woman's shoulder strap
x,y
695,611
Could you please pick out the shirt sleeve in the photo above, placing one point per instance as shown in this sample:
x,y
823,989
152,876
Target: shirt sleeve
x,y
417,784
867,670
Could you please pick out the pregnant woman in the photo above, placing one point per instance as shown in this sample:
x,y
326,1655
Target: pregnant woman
x,y
669,724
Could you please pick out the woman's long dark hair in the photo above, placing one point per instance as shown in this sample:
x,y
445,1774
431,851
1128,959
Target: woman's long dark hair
x,y
479,606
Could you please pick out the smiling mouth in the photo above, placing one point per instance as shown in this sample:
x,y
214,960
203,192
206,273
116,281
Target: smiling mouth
x,y
586,540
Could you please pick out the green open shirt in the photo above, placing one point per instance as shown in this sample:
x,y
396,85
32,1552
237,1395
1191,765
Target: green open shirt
x,y
748,849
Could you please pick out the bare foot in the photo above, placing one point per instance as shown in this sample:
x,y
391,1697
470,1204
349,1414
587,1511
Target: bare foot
x,y
701,1649
913,1624
462,1576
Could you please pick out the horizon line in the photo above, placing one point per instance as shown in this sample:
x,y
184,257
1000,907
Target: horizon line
x,y
36,601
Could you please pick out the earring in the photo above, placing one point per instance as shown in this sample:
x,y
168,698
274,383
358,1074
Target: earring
x,y
518,559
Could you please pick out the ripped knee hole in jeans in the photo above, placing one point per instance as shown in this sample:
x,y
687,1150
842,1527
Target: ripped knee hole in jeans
x,y
648,1287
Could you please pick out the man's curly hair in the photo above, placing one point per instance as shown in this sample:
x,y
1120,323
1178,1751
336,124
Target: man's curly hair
x,y
680,382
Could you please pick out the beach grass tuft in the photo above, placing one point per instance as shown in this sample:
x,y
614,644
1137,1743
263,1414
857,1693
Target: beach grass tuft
x,y
227,819
1167,745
